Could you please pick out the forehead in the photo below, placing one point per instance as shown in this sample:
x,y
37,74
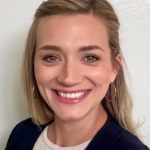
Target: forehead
x,y
76,29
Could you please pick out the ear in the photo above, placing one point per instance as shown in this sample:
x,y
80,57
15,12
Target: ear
x,y
116,67
119,58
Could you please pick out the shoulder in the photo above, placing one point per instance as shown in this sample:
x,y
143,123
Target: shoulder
x,y
23,125
24,133
125,140
128,141
113,137
22,128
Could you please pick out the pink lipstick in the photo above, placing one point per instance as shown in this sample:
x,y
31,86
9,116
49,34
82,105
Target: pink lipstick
x,y
70,100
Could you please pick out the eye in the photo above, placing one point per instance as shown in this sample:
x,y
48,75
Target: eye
x,y
51,58
91,58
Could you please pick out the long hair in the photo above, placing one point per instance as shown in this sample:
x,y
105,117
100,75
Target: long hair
x,y
121,107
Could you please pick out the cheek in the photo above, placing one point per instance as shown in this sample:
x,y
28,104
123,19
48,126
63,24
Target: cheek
x,y
100,77
100,74
44,74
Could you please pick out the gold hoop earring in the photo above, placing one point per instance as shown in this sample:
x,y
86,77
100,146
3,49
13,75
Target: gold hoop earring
x,y
115,93
33,93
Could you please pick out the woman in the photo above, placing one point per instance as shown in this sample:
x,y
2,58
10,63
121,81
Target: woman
x,y
74,81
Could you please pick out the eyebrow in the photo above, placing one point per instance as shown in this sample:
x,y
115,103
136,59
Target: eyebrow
x,y
84,48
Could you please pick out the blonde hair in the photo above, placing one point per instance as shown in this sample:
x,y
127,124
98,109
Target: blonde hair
x,y
121,107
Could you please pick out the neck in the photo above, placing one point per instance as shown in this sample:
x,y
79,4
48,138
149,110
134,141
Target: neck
x,y
73,133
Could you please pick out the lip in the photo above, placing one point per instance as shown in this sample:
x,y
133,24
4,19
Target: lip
x,y
70,100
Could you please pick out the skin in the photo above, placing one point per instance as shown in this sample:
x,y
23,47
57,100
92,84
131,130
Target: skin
x,y
72,69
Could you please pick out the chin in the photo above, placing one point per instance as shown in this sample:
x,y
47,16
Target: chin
x,y
69,115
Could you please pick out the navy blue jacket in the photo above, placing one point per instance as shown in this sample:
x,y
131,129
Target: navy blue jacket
x,y
110,137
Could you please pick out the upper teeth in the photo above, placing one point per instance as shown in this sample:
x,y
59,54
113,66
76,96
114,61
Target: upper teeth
x,y
71,95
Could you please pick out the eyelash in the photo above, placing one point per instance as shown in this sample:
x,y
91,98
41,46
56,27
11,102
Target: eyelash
x,y
45,58
96,58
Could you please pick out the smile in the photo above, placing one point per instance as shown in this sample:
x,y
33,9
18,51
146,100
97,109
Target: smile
x,y
70,97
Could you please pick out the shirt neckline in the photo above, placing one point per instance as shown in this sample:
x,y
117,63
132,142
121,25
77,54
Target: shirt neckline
x,y
54,146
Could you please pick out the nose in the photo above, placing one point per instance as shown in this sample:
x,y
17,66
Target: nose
x,y
70,74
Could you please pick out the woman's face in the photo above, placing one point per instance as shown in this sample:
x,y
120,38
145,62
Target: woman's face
x,y
72,56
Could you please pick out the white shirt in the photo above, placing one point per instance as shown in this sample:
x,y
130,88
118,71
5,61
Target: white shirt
x,y
43,143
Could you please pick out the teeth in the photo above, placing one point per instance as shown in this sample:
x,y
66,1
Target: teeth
x,y
73,95
65,95
77,95
68,95
61,94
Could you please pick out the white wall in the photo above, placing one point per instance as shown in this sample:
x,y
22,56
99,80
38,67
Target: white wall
x,y
15,20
